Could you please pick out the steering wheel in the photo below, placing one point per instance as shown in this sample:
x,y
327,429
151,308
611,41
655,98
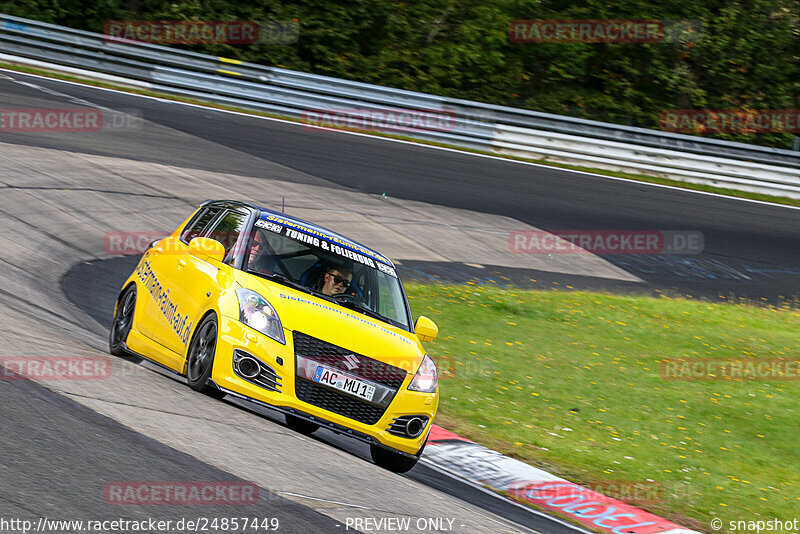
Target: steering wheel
x,y
347,297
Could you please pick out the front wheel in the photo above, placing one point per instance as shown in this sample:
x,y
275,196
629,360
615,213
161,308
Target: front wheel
x,y
123,321
200,360
394,461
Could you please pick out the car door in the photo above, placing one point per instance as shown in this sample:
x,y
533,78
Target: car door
x,y
167,312
197,282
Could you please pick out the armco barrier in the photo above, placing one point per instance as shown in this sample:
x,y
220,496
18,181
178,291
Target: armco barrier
x,y
625,157
500,129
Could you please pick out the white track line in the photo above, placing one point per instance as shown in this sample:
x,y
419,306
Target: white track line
x,y
477,486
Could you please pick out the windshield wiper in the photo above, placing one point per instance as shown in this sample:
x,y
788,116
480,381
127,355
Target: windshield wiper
x,y
363,309
275,277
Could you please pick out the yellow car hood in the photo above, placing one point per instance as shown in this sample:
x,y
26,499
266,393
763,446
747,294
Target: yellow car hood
x,y
350,329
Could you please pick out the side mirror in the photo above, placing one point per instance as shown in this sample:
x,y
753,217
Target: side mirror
x,y
206,249
425,329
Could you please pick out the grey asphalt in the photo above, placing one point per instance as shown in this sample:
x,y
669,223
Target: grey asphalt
x,y
751,250
58,457
92,288
56,205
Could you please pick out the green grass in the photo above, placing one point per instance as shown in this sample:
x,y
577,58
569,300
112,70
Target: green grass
x,y
571,382
616,174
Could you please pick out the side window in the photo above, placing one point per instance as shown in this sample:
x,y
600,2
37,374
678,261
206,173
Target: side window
x,y
196,226
227,231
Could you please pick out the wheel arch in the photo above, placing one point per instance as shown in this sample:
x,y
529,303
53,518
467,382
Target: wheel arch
x,y
122,292
199,321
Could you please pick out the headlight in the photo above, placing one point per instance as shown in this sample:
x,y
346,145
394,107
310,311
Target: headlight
x,y
258,314
426,378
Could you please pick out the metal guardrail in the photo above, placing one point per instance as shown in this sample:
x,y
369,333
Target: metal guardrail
x,y
624,157
473,124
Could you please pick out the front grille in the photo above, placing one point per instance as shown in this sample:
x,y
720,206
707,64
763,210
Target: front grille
x,y
344,360
267,378
398,425
338,403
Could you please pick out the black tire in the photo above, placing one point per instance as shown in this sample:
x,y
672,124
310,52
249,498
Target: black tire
x,y
200,359
123,321
394,461
301,425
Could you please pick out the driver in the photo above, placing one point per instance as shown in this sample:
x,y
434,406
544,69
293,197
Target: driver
x,y
336,280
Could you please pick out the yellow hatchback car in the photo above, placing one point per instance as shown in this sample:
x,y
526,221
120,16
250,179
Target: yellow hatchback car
x,y
253,303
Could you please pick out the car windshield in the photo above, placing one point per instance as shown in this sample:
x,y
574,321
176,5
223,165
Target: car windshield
x,y
353,279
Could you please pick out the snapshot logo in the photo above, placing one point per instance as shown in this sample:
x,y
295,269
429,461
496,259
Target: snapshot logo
x,y
757,526
604,31
180,493
380,119
233,32
55,368
84,119
605,242
730,369
746,121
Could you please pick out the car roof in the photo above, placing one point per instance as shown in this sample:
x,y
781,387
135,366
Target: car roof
x,y
308,228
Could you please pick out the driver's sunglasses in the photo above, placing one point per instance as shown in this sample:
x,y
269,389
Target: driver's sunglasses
x,y
339,280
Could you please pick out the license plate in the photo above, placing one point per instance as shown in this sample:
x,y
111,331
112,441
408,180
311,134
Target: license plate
x,y
344,382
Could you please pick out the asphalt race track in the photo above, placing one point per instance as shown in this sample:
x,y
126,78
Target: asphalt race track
x,y
63,441
751,249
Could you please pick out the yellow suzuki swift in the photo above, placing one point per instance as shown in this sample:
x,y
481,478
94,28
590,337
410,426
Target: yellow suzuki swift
x,y
253,303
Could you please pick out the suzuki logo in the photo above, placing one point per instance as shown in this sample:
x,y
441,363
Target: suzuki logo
x,y
351,361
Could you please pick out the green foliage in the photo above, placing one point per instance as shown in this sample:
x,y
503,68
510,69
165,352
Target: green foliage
x,y
745,58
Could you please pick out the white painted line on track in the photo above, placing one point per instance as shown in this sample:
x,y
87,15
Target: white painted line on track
x,y
445,471
322,500
455,150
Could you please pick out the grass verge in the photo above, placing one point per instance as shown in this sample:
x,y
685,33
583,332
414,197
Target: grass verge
x,y
628,176
573,383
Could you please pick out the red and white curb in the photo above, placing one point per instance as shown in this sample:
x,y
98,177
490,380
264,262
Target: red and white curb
x,y
485,467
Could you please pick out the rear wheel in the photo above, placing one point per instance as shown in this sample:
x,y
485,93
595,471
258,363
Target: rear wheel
x,y
394,461
200,360
123,321
300,425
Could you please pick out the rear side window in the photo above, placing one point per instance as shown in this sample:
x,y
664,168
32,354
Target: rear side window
x,y
199,223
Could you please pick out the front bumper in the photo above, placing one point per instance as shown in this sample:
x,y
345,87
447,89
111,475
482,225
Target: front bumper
x,y
234,335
